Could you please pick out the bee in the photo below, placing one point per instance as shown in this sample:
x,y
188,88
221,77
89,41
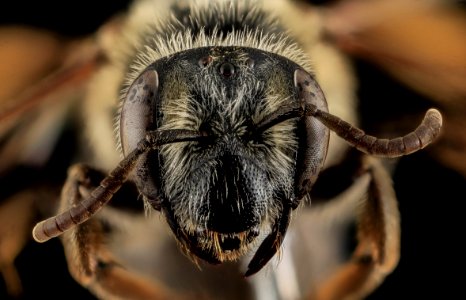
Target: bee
x,y
218,115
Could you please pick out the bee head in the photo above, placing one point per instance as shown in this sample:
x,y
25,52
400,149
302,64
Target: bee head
x,y
239,183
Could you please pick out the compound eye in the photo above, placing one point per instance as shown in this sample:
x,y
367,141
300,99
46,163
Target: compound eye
x,y
136,112
227,69
316,134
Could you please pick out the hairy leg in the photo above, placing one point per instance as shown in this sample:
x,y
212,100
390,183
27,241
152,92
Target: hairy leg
x,y
377,251
90,261
17,214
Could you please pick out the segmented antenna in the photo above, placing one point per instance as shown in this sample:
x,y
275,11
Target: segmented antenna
x,y
415,140
56,225
422,136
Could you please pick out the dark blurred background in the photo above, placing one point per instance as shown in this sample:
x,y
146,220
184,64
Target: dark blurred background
x,y
430,194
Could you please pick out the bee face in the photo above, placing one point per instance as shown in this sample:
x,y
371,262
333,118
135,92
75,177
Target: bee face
x,y
224,130
221,192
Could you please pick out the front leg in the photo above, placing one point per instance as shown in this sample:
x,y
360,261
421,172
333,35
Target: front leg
x,y
377,252
17,214
90,261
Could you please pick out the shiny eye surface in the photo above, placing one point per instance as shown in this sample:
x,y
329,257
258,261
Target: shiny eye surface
x,y
205,61
136,111
250,63
227,69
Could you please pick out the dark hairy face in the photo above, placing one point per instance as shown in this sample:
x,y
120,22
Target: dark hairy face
x,y
222,192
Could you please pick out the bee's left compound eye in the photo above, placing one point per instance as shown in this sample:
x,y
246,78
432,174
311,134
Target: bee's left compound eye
x,y
136,111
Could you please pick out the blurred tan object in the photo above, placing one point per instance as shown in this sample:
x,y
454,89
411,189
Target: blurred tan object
x,y
26,56
40,74
14,233
422,44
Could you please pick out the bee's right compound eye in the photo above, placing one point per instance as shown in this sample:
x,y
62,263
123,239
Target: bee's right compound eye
x,y
137,110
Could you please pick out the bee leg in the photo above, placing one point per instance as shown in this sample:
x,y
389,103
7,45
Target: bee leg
x,y
378,235
17,214
90,261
